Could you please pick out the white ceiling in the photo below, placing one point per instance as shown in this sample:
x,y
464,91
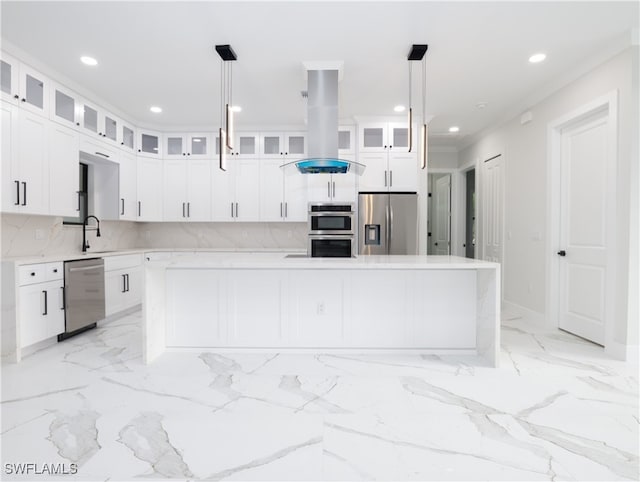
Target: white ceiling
x,y
161,53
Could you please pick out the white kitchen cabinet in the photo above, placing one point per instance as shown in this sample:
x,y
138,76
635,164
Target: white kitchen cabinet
x,y
127,182
257,308
33,90
389,171
236,192
193,146
66,107
123,282
346,141
127,137
149,192
333,187
187,190
246,145
286,145
25,167
64,144
41,302
385,136
9,79
149,143
283,193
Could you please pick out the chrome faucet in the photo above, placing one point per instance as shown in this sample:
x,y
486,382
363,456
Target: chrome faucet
x,y
85,228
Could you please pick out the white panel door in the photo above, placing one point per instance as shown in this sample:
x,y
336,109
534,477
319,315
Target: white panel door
x,y
343,188
34,167
376,174
442,226
492,189
223,199
271,190
403,172
247,180
149,189
31,313
64,145
115,285
199,190
175,190
11,188
319,187
295,196
585,201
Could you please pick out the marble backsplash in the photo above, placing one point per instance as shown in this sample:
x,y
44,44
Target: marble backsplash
x,y
257,236
24,235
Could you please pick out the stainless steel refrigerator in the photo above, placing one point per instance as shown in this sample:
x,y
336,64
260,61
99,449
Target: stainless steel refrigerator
x,y
387,223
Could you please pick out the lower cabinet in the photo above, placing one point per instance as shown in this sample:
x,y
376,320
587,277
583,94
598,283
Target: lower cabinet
x,y
123,282
41,302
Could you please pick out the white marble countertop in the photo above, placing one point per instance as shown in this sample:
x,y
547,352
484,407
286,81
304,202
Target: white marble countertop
x,y
51,258
261,260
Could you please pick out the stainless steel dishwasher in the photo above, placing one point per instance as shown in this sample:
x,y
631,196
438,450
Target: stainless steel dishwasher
x,y
84,295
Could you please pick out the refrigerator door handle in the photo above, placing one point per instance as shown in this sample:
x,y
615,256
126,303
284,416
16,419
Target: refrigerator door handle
x,y
387,215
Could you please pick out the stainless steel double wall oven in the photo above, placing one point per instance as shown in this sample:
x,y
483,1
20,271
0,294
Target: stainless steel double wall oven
x,y
331,230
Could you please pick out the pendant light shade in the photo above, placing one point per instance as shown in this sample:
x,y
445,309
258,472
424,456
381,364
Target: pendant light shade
x,y
226,131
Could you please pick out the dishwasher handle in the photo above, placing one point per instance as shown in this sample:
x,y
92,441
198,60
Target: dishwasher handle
x,y
86,268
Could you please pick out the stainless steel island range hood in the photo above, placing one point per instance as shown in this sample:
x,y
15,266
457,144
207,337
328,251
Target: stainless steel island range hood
x,y
322,109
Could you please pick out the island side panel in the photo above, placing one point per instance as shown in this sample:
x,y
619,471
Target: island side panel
x,y
488,316
10,330
153,312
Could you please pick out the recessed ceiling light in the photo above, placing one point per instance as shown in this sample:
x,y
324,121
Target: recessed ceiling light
x,y
155,109
482,104
88,60
236,108
539,57
454,129
399,108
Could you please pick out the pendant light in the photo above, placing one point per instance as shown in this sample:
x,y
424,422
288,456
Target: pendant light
x,y
417,53
227,56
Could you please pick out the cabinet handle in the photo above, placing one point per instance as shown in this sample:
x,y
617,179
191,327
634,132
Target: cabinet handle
x,y
286,210
24,194
236,210
102,154
17,203
100,134
139,150
78,193
45,303
183,210
139,208
184,154
127,275
390,178
390,147
334,188
122,143
23,99
124,283
280,209
188,153
231,209
64,298
122,210
385,146
385,178
328,189
188,210
78,124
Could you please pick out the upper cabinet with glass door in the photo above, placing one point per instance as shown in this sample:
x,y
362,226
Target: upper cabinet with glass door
x,y
246,145
149,143
346,141
66,108
288,145
385,136
22,85
188,146
127,137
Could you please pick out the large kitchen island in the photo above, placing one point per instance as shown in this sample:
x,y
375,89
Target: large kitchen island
x,y
279,302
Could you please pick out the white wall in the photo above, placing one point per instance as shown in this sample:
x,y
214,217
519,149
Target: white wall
x,y
525,151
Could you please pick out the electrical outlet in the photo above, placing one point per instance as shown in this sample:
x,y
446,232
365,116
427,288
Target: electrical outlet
x,y
39,234
147,235
289,234
320,308
245,234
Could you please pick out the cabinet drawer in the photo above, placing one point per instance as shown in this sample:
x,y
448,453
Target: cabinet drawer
x,y
54,271
31,273
112,263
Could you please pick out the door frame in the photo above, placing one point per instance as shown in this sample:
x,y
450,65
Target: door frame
x,y
462,222
608,104
454,249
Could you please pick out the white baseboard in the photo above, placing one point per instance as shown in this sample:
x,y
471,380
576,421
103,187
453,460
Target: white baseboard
x,y
532,316
619,351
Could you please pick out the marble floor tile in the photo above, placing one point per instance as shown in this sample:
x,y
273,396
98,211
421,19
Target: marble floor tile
x,y
557,409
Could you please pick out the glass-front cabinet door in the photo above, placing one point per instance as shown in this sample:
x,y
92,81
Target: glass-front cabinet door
x,y
346,140
110,128
127,139
295,145
246,145
66,109
9,88
199,146
33,91
271,144
175,146
149,144
373,137
399,137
